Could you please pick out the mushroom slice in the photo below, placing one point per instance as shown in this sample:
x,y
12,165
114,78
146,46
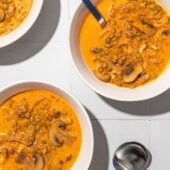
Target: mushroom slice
x,y
23,158
35,162
67,138
131,73
58,134
166,32
145,77
39,162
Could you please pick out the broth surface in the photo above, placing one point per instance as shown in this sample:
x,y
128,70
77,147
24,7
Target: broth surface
x,y
133,49
13,13
38,131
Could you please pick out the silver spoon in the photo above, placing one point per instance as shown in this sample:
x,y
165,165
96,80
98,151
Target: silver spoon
x,y
131,156
100,19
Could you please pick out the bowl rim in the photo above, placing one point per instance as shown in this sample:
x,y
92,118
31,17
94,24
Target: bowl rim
x,y
67,96
24,27
129,98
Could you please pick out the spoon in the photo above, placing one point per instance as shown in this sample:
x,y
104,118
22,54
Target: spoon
x,y
100,19
131,156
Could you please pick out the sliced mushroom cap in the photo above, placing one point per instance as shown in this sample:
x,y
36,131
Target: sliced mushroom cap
x,y
53,133
39,162
166,32
131,73
58,134
25,159
145,77
35,162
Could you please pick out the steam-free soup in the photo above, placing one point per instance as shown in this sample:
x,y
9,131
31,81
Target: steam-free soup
x,y
38,131
13,13
133,49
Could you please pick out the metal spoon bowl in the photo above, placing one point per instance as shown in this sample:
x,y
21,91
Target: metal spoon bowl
x,y
100,19
131,156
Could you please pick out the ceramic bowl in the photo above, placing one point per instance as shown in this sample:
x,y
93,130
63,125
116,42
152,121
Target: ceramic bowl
x,y
86,152
25,25
147,91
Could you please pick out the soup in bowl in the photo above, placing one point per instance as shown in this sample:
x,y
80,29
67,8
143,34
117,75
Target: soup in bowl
x,y
43,128
129,58
16,18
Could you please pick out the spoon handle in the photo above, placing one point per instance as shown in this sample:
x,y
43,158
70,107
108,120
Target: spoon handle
x,y
95,12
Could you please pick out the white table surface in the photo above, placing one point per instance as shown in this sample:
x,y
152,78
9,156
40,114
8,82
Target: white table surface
x,y
43,54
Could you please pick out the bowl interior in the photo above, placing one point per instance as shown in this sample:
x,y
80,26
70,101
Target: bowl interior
x,y
147,91
24,26
86,151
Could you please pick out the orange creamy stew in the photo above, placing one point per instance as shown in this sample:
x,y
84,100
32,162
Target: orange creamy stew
x,y
13,13
38,131
133,49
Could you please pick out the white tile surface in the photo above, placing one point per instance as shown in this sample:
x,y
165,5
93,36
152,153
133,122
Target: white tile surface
x,y
51,64
43,54
73,5
116,132
160,145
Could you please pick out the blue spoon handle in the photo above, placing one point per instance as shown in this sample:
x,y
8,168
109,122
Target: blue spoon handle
x,y
95,12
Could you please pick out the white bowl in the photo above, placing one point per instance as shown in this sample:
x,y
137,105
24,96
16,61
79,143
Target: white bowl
x,y
25,25
86,152
147,91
